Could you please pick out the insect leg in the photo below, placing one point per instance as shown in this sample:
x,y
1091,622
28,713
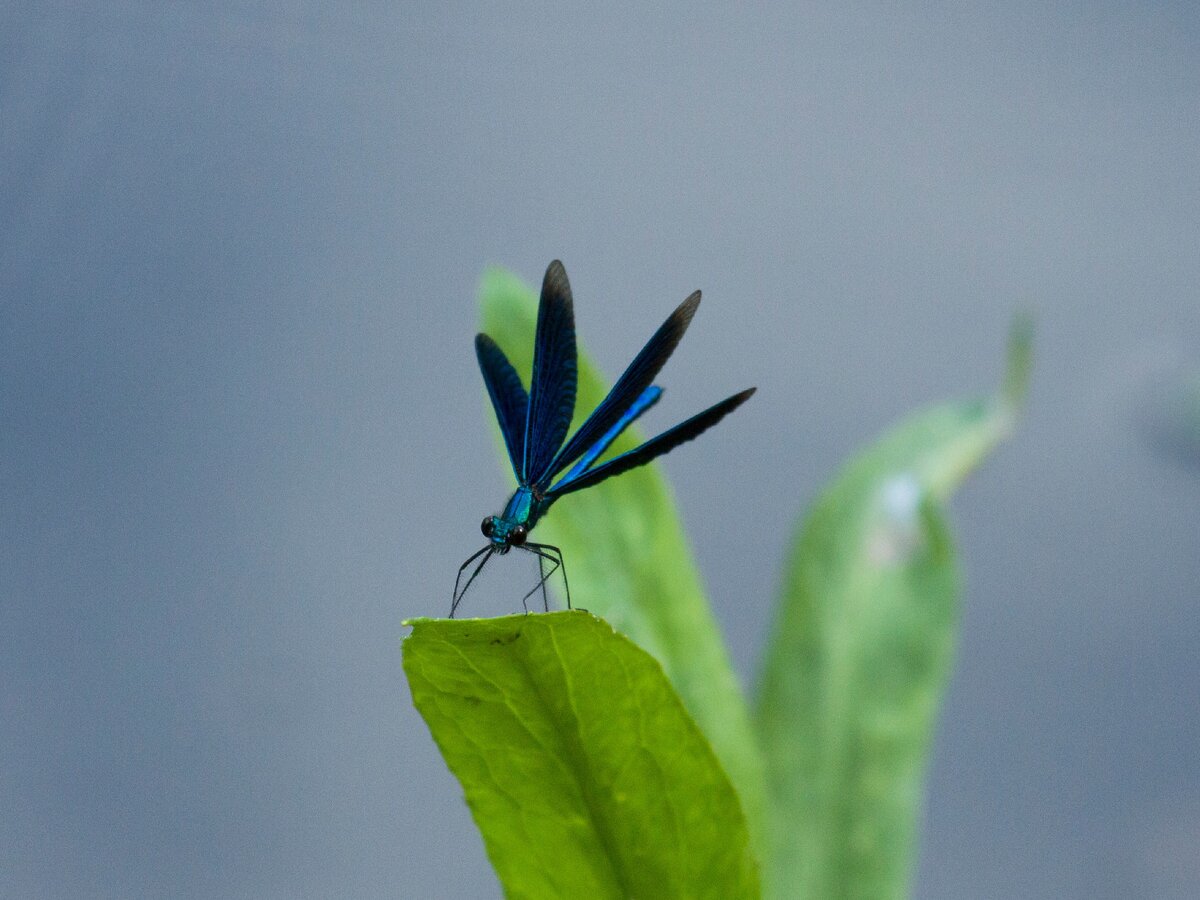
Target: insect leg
x,y
536,550
553,554
542,573
456,597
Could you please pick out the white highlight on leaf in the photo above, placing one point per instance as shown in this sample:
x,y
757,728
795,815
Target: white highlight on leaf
x,y
895,533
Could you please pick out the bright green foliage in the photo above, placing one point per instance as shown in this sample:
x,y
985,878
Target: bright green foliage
x,y
861,652
584,772
628,559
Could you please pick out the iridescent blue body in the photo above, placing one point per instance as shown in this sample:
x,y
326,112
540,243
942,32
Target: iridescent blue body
x,y
535,424
522,510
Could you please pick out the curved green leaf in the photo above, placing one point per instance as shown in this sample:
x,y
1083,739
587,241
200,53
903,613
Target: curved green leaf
x,y
582,769
629,560
862,649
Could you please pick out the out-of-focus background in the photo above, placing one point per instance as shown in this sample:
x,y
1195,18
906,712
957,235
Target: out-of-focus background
x,y
242,433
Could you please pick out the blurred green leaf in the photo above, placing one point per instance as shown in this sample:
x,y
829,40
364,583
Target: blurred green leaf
x,y
861,652
581,767
628,559
1173,418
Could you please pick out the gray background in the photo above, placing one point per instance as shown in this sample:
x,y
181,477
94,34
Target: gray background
x,y
242,434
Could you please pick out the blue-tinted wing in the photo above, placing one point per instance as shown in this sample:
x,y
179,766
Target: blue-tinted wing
x,y
509,399
666,441
552,386
629,386
648,398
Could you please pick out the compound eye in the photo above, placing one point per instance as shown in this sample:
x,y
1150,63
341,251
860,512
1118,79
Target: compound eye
x,y
487,527
517,536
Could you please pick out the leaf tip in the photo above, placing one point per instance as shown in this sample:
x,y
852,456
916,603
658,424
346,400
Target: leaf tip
x,y
502,292
1019,365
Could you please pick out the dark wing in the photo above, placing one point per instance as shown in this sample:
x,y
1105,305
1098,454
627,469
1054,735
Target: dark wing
x,y
648,398
629,387
509,399
552,385
665,442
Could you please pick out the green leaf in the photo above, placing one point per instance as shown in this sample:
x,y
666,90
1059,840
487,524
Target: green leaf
x,y
862,649
581,767
1174,418
628,559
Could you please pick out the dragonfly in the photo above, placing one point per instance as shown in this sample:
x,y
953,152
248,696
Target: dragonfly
x,y
535,425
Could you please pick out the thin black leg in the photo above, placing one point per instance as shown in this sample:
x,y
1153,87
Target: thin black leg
x,y
552,553
524,605
545,575
542,579
456,597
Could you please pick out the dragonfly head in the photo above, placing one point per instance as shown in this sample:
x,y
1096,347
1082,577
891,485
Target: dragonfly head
x,y
503,534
